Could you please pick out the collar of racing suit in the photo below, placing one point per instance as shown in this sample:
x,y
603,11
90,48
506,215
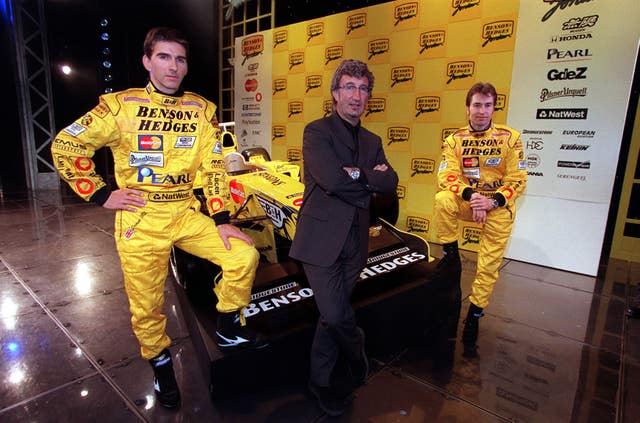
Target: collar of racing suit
x,y
472,130
159,97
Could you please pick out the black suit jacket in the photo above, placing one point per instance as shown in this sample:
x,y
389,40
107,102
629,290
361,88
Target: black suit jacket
x,y
333,201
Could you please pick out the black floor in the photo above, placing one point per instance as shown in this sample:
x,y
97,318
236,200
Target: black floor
x,y
554,346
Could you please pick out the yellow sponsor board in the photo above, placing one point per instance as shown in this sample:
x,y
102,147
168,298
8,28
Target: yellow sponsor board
x,y
376,109
427,107
405,15
378,50
498,34
426,140
313,85
279,87
296,61
461,73
397,137
295,110
421,197
432,43
333,55
402,77
403,46
280,40
461,10
278,133
422,169
356,24
315,33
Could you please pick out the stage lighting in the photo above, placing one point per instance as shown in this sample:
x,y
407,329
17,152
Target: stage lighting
x,y
106,64
104,36
104,22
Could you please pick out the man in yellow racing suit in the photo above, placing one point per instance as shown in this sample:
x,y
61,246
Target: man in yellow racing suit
x,y
160,136
481,174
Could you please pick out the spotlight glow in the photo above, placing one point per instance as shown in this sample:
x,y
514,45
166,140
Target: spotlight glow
x,y
66,69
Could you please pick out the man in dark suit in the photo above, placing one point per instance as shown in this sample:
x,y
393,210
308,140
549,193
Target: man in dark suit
x,y
343,164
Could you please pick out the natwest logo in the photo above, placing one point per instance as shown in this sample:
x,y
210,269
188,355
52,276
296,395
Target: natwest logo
x,y
567,74
561,114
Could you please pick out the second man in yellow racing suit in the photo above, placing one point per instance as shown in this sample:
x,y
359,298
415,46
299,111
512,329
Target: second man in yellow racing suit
x,y
481,174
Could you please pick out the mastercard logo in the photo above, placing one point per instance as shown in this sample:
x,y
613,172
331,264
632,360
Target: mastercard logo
x,y
251,84
150,142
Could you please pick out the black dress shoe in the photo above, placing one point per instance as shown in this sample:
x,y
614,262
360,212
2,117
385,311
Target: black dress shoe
x,y
328,400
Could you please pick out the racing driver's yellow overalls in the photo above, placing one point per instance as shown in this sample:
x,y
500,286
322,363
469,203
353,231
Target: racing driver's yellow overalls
x,y
158,142
491,163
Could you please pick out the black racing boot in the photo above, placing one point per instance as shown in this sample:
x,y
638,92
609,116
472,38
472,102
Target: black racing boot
x,y
232,332
470,331
449,266
164,381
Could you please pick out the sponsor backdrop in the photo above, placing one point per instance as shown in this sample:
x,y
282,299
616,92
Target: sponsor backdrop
x,y
425,55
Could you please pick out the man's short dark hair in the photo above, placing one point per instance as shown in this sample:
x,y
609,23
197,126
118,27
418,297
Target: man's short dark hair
x,y
164,34
354,68
484,88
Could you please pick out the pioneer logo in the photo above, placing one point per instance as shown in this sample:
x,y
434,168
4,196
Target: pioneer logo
x,y
375,105
575,147
314,30
431,39
420,166
427,104
378,47
547,94
333,53
356,21
567,74
405,12
561,114
397,134
497,30
460,70
280,37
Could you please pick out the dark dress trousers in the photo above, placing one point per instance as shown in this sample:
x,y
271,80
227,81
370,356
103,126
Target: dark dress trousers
x,y
331,237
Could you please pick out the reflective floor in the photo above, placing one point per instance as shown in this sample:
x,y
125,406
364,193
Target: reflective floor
x,y
554,346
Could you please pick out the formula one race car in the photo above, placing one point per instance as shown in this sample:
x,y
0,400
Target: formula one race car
x,y
267,195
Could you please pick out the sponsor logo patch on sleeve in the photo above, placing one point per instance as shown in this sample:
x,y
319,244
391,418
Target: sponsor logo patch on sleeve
x,y
75,129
